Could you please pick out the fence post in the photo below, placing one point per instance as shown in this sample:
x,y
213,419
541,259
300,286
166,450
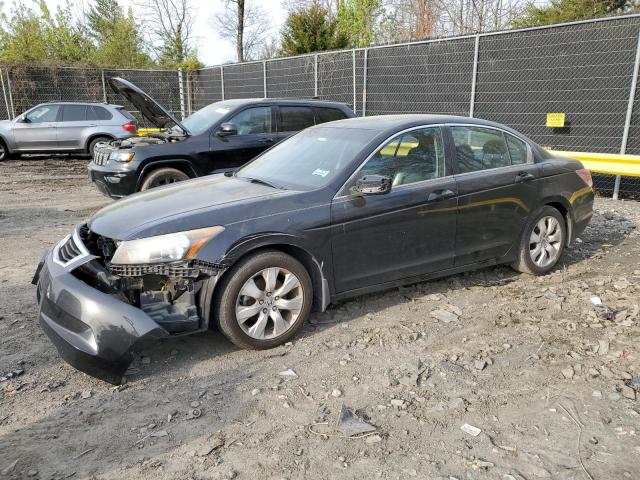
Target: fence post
x,y
627,121
315,75
222,80
189,107
4,93
353,61
181,90
13,110
364,82
264,77
474,77
104,86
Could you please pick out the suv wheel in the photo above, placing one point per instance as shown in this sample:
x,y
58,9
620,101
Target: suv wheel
x,y
542,242
92,145
162,176
4,151
264,300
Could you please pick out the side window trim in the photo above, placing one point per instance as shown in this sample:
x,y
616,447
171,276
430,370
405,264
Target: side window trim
x,y
342,193
454,157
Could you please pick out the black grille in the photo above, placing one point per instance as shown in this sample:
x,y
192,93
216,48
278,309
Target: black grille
x,y
68,251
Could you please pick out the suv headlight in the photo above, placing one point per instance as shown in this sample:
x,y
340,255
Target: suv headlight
x,y
164,248
122,155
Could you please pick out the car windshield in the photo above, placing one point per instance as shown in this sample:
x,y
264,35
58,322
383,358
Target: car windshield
x,y
198,122
308,160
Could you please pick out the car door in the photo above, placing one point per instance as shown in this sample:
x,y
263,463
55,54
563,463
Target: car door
x,y
292,119
36,129
72,122
256,133
407,232
497,184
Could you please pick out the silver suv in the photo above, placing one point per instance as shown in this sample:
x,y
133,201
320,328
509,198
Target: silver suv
x,y
64,127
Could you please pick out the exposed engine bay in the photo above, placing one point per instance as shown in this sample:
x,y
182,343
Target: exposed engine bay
x,y
166,292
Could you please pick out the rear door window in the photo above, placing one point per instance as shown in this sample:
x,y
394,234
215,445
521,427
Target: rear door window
x,y
518,150
74,113
253,121
294,119
479,148
328,114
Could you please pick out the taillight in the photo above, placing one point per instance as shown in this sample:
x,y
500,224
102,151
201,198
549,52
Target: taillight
x,y
585,175
130,127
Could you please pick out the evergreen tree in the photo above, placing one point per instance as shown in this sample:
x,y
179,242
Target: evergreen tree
x,y
311,29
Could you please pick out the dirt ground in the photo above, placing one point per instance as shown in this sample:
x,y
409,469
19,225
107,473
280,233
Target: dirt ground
x,y
551,382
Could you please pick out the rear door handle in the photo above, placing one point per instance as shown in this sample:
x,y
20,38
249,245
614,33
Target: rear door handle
x,y
524,177
440,195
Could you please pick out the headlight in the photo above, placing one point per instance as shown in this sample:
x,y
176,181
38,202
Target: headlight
x,y
164,248
122,155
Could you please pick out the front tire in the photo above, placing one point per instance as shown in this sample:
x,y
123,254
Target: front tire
x,y
542,242
4,152
161,177
264,300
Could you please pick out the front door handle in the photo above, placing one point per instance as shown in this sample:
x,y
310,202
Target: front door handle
x,y
524,177
440,195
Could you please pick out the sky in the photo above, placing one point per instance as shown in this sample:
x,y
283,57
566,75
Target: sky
x,y
212,50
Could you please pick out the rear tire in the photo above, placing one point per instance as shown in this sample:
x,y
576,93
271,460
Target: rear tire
x,y
542,242
161,177
264,300
92,145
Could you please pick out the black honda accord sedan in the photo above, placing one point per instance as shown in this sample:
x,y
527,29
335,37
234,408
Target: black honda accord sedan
x,y
338,210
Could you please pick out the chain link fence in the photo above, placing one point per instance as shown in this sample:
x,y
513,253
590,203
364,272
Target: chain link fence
x,y
587,70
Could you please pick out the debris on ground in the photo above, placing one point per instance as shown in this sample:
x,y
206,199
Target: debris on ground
x,y
414,377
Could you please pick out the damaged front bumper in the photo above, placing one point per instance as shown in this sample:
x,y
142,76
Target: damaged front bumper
x,y
93,331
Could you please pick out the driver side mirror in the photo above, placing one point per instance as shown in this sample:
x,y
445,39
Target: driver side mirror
x,y
372,185
227,129
23,119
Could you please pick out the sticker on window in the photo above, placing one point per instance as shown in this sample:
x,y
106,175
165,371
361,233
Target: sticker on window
x,y
320,172
222,110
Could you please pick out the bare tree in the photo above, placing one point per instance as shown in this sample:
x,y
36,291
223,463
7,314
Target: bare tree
x,y
331,6
245,24
421,19
170,23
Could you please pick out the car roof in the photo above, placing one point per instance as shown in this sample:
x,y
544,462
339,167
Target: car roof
x,y
238,102
393,123
65,102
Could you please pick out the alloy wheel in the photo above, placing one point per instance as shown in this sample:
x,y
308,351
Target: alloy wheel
x,y
165,180
269,303
545,241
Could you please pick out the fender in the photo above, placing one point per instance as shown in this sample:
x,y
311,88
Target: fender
x,y
154,164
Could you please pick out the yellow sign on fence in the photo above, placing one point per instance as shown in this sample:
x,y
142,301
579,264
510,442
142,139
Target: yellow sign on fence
x,y
555,120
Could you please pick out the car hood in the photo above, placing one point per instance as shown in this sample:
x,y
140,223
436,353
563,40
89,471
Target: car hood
x,y
148,107
188,205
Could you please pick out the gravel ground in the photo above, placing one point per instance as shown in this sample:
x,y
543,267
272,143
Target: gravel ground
x,y
548,379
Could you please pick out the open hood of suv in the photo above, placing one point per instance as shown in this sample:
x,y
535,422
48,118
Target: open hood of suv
x,y
148,107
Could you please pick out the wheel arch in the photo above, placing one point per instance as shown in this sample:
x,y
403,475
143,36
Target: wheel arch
x,y
283,243
564,207
184,165
93,136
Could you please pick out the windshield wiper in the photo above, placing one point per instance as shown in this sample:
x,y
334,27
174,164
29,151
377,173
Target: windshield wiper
x,y
262,182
